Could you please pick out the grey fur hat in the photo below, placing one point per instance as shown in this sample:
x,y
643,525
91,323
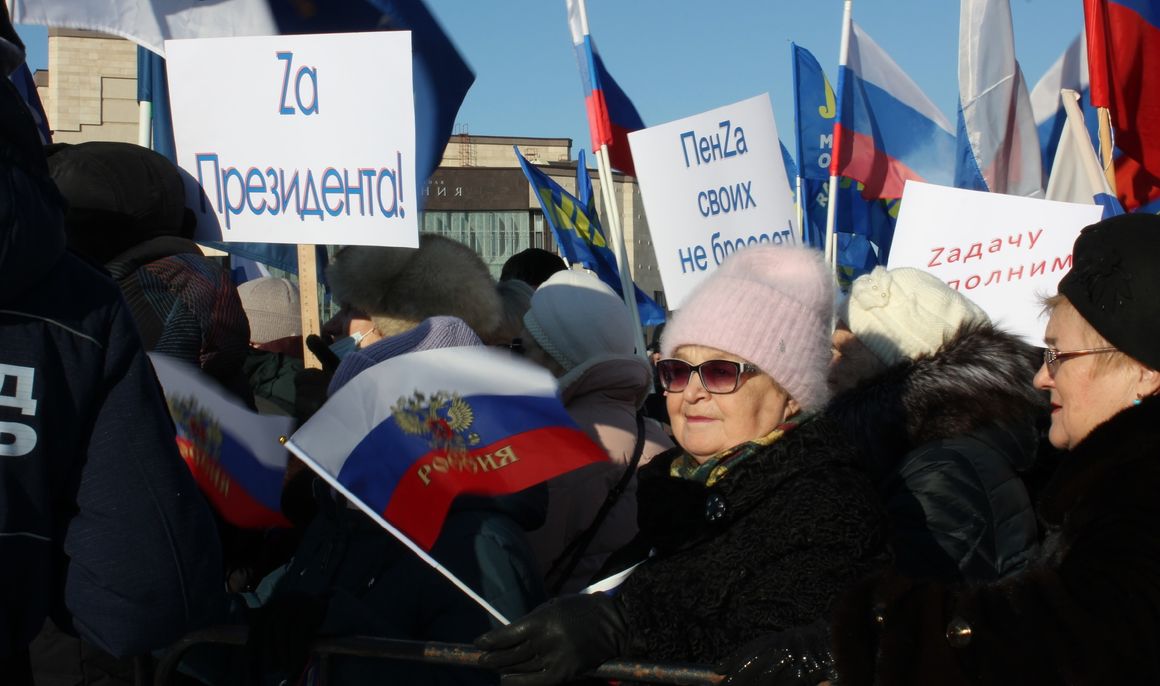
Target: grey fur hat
x,y
400,287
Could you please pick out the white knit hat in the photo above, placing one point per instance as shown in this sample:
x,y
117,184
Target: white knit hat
x,y
272,306
575,317
904,313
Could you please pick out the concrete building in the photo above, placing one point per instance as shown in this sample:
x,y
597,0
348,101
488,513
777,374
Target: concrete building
x,y
479,194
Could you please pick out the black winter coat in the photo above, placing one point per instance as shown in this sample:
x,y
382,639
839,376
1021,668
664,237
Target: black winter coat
x,y
1086,611
767,547
377,587
945,437
101,523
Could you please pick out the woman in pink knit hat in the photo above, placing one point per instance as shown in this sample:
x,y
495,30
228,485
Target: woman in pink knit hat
x,y
760,517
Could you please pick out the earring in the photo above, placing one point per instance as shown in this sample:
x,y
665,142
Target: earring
x,y
1137,401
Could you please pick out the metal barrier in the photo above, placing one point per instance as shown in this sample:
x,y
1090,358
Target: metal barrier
x,y
453,654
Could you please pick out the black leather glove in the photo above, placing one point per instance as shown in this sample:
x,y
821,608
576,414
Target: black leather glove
x,y
310,392
322,351
795,657
557,641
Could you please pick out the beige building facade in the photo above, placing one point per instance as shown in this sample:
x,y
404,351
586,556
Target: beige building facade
x,y
479,194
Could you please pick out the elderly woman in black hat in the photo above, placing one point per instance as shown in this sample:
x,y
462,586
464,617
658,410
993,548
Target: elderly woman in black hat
x,y
1088,610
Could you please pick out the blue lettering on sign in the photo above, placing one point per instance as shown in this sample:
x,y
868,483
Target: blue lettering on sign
x,y
256,190
727,141
308,74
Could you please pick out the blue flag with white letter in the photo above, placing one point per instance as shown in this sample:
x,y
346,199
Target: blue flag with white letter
x,y
578,232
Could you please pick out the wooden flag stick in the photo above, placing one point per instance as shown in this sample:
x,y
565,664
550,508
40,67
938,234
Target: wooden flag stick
x,y
308,300
1106,147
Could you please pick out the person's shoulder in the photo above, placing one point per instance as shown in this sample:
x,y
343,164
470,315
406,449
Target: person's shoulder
x,y
72,298
817,440
73,285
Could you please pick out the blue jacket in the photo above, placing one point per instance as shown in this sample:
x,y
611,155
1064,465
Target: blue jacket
x,y
101,524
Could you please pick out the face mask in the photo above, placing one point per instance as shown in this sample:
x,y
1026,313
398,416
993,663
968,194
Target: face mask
x,y
345,346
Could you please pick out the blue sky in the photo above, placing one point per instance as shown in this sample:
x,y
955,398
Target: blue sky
x,y
676,58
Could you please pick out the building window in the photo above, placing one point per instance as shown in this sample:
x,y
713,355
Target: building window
x,y
494,236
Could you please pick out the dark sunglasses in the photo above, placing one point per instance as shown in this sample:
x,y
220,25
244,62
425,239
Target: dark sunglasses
x,y
717,376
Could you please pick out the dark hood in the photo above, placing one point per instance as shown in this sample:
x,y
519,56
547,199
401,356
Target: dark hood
x,y
31,209
979,377
119,196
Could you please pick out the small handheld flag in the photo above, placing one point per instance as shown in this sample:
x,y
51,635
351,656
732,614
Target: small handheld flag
x,y
233,452
405,437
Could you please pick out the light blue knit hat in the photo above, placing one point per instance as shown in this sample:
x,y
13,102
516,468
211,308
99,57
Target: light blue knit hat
x,y
432,333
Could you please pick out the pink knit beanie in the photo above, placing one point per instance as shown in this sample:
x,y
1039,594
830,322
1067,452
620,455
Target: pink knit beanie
x,y
772,306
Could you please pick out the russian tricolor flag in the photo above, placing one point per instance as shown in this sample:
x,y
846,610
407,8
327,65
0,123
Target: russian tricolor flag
x,y
611,115
405,437
234,453
888,131
1124,57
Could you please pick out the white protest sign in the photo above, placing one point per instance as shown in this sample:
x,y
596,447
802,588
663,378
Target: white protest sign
x,y
297,139
712,183
1004,252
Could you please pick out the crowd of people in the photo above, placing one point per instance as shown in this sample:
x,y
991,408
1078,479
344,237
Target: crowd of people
x,y
879,487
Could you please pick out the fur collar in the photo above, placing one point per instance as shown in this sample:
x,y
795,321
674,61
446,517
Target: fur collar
x,y
1131,436
980,376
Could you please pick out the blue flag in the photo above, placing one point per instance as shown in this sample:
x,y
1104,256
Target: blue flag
x,y
578,233
791,170
816,108
856,256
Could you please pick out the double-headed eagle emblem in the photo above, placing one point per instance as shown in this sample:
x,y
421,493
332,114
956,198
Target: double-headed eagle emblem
x,y
444,420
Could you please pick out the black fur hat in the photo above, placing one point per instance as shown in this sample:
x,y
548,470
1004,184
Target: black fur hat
x,y
1114,282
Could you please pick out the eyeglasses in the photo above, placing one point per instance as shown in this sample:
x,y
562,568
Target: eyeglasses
x,y
717,376
1053,358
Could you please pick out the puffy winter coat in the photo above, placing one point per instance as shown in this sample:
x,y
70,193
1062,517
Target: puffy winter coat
x,y
602,396
101,524
1085,611
944,437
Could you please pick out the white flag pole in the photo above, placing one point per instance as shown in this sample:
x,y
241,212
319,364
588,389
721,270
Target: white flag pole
x,y
612,220
423,554
832,203
145,123
799,209
604,169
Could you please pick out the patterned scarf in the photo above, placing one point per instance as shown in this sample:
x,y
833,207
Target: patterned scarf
x,y
714,469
